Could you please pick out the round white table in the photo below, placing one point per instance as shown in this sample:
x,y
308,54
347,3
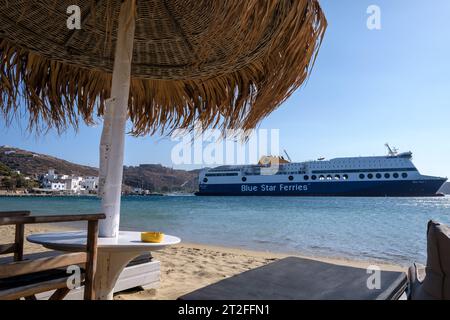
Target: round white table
x,y
114,254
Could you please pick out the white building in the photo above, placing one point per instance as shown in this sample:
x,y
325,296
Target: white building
x,y
73,184
50,175
138,190
90,183
50,181
57,186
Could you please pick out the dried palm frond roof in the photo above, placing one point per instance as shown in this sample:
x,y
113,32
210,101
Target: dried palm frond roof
x,y
225,63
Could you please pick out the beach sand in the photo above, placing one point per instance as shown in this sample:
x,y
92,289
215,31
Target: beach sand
x,y
187,266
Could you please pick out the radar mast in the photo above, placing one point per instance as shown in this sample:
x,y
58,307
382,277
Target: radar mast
x,y
392,152
289,158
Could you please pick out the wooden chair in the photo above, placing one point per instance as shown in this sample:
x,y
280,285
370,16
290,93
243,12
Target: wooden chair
x,y
23,278
17,246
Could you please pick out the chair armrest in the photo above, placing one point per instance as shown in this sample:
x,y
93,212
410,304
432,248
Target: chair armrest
x,y
32,266
50,219
17,246
9,214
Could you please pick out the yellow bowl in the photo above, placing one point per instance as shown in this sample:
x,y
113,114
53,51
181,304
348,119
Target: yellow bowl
x,y
155,237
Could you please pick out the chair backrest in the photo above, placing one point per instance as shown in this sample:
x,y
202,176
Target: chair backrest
x,y
87,257
17,247
437,280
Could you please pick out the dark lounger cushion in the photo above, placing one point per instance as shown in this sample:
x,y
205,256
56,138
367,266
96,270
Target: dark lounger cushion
x,y
33,278
143,258
434,282
302,279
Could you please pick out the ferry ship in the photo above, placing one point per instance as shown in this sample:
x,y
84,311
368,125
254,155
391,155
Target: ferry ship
x,y
393,175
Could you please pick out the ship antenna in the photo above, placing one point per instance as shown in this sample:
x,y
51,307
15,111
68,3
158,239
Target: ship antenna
x,y
285,152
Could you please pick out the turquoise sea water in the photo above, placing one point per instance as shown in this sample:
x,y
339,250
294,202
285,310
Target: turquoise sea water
x,y
387,229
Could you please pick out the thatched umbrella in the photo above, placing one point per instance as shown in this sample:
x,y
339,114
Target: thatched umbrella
x,y
163,64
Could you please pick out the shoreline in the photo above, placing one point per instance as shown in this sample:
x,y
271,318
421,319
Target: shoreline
x,y
344,261
188,266
43,195
362,262
11,194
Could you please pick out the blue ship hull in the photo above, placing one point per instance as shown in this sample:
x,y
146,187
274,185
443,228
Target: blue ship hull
x,y
405,188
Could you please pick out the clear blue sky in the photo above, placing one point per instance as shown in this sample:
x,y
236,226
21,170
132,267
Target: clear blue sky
x,y
367,88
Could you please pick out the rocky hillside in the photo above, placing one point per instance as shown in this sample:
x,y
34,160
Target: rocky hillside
x,y
157,178
153,177
35,164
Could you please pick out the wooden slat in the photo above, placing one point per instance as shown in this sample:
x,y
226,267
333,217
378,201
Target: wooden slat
x,y
14,214
50,219
25,267
7,248
60,294
91,264
30,290
31,256
20,233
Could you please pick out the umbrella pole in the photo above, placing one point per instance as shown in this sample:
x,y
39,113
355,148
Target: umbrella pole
x,y
113,135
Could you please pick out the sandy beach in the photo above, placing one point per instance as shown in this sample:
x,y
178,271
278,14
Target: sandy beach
x,y
187,266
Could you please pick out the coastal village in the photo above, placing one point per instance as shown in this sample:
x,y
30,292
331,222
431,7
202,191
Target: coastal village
x,y
51,182
25,172
13,182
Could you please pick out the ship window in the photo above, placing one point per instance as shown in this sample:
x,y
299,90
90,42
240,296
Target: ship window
x,y
306,177
329,177
205,180
362,176
313,177
337,177
404,175
244,179
322,178
345,177
395,175
291,178
370,176
387,175
379,175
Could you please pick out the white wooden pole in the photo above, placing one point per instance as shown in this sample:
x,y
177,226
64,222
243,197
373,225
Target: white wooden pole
x,y
113,135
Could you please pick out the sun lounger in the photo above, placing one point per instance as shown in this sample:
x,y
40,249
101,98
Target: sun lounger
x,y
433,281
302,279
